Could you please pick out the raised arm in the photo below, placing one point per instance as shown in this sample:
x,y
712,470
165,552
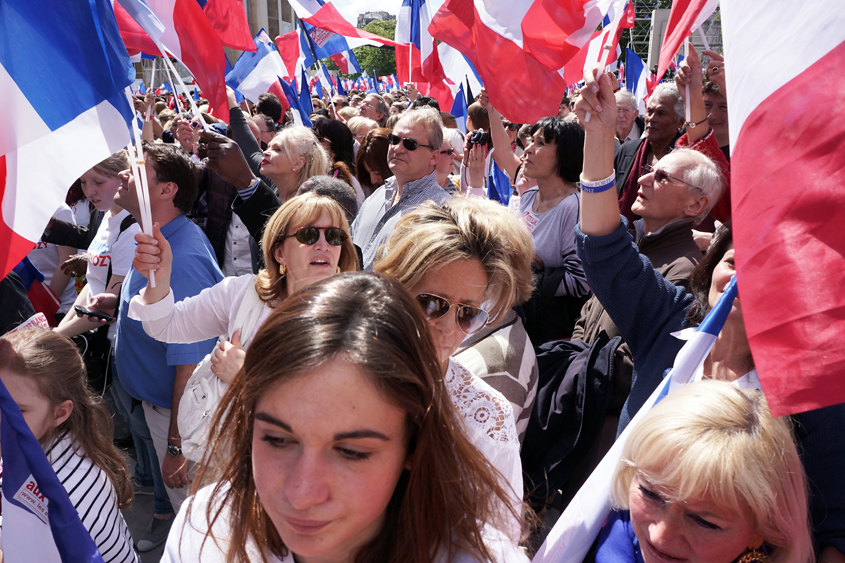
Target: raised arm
x,y
503,155
690,73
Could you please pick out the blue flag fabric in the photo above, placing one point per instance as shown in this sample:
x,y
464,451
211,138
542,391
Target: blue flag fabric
x,y
238,96
459,109
498,186
305,94
24,465
340,89
295,107
142,89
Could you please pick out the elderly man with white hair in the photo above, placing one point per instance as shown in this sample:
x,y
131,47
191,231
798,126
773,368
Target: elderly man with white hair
x,y
629,124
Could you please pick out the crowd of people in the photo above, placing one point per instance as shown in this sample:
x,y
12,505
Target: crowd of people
x,y
384,339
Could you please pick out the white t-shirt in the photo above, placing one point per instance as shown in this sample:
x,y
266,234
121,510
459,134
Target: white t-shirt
x,y
109,248
45,257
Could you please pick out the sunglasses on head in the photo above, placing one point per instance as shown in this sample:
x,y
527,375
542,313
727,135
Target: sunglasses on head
x,y
470,319
409,144
661,176
310,235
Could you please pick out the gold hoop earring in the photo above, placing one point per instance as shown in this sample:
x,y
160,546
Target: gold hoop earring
x,y
754,555
282,270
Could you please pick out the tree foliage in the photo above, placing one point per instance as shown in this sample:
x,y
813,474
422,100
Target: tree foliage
x,y
382,60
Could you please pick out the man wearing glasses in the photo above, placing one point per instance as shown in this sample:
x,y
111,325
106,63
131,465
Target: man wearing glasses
x,y
629,124
415,146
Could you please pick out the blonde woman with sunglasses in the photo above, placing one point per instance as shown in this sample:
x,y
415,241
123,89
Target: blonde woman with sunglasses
x,y
306,240
466,263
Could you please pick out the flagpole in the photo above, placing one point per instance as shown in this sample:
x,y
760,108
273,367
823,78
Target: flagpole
x,y
686,88
152,81
704,39
139,171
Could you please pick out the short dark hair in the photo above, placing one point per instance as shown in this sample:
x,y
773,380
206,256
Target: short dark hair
x,y
710,87
335,189
172,164
564,100
701,276
340,137
423,101
569,137
269,104
268,121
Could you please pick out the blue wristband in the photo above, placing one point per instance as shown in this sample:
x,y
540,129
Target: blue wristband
x,y
598,186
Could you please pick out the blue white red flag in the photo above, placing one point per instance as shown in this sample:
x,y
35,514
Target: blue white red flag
x,y
324,15
636,79
459,109
325,78
63,96
519,47
346,62
258,72
458,69
577,528
418,60
784,105
188,35
300,115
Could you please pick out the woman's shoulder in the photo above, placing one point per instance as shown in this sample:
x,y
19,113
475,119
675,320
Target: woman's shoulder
x,y
193,538
499,545
479,403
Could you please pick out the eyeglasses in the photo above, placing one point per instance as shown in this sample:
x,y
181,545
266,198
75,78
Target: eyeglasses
x,y
511,126
409,144
470,319
623,110
310,235
662,176
450,152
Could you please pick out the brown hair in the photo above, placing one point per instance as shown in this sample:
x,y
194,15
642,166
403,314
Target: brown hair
x,y
434,235
373,153
53,362
450,490
172,164
479,116
270,284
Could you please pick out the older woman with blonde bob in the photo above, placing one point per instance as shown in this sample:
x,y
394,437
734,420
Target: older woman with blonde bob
x,y
293,156
709,476
466,263
306,240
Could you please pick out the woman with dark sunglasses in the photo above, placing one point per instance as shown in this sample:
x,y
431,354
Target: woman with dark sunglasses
x,y
306,240
465,273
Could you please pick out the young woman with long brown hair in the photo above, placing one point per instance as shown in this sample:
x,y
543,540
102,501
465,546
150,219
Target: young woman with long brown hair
x,y
337,441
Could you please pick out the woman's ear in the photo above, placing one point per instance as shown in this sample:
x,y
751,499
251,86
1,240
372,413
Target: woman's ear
x,y
62,412
299,164
279,255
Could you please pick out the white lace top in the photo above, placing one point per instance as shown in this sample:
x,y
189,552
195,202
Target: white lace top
x,y
490,426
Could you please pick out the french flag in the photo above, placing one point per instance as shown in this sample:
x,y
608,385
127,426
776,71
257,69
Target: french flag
x,y
787,178
187,34
418,58
63,96
325,16
346,62
458,68
686,16
577,528
300,115
520,47
636,79
258,72
228,17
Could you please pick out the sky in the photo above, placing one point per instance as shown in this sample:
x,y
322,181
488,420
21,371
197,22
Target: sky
x,y
351,8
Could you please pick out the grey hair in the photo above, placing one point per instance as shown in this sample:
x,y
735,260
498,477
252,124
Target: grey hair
x,y
669,90
381,107
626,96
335,189
704,174
355,123
430,118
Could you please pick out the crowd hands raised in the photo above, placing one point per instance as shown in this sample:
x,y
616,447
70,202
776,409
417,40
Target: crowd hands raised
x,y
366,339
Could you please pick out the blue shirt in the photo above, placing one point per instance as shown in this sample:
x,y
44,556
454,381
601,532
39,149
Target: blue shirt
x,y
145,366
617,542
377,217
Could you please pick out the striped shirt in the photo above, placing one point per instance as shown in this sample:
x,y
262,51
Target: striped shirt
x,y
378,217
94,498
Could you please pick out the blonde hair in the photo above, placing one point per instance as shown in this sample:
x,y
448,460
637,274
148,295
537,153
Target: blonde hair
x,y
305,208
348,112
113,165
359,121
712,439
298,141
465,229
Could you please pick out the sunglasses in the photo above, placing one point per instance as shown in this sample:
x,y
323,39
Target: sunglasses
x,y
409,144
511,126
310,235
450,152
661,176
470,319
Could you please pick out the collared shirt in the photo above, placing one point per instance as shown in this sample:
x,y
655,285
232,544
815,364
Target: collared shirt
x,y
145,366
378,216
237,257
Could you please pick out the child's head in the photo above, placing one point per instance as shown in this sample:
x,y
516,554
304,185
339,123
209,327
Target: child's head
x,y
45,375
